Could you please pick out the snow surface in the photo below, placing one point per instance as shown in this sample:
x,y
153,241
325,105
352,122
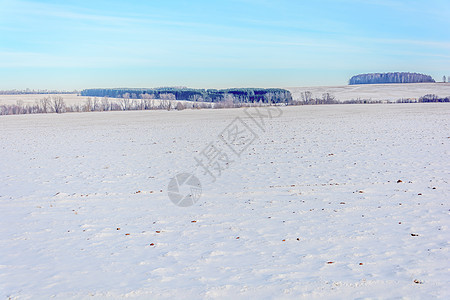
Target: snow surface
x,y
312,208
384,92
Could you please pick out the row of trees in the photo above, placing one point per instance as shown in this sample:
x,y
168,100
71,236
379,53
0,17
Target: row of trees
x,y
433,98
327,98
51,104
241,95
308,99
30,91
395,77
56,104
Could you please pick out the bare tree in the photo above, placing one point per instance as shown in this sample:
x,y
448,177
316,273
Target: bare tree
x,y
327,98
166,100
45,104
95,104
147,100
74,108
105,104
306,97
125,101
88,104
135,105
228,100
180,106
58,104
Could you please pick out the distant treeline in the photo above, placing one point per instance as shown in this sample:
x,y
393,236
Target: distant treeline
x,y
29,91
426,98
240,95
395,77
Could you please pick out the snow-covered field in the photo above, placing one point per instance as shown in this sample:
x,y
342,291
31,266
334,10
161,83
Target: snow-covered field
x,y
384,92
344,201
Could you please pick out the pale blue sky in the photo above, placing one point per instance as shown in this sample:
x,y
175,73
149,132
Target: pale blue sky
x,y
75,44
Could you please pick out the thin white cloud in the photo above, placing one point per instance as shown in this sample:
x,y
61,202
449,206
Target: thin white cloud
x,y
436,45
423,9
28,8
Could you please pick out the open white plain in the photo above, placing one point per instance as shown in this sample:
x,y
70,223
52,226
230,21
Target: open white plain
x,y
313,208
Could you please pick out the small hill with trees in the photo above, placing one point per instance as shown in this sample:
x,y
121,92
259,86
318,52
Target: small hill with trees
x,y
395,77
240,95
